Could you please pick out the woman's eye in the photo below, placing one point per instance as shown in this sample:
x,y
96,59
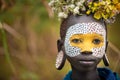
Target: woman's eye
x,y
96,41
77,41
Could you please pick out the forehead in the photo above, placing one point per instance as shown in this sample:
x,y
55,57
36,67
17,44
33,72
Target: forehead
x,y
85,28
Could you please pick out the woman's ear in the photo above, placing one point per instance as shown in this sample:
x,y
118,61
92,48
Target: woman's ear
x,y
106,46
105,59
59,44
61,58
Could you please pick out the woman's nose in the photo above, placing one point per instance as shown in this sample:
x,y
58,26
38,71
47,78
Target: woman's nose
x,y
86,53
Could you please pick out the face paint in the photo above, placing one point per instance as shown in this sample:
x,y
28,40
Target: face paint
x,y
85,37
82,41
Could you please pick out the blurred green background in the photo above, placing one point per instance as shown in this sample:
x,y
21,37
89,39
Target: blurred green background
x,y
28,41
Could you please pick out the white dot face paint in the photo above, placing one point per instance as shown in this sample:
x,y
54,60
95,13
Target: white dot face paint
x,y
85,28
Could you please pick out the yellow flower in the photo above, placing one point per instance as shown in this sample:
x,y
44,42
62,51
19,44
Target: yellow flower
x,y
88,12
115,1
102,3
95,4
118,6
107,10
112,14
97,15
105,16
111,7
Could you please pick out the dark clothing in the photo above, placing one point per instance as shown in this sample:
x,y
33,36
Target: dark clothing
x,y
104,73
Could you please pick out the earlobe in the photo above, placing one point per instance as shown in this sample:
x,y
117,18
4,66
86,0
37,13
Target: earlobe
x,y
61,58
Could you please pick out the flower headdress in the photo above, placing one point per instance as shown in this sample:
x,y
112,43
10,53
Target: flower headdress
x,y
106,9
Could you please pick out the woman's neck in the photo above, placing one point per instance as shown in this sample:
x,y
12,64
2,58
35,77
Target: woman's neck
x,y
85,75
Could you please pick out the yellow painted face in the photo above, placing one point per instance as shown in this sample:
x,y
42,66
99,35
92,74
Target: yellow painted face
x,y
86,42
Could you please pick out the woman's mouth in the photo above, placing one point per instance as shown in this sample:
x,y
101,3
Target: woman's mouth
x,y
87,62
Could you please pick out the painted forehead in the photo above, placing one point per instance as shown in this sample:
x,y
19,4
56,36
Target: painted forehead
x,y
84,28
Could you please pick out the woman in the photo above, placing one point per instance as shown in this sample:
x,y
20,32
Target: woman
x,y
83,35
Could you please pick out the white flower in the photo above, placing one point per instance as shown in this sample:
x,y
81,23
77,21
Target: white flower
x,y
65,8
79,4
73,1
54,9
62,15
72,6
51,3
76,10
83,8
82,1
68,1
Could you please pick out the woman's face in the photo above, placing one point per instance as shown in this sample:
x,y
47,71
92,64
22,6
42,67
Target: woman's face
x,y
85,44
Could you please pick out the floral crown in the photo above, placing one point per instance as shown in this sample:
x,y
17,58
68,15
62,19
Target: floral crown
x,y
105,9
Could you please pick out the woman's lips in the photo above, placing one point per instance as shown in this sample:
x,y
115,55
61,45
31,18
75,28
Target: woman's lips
x,y
87,62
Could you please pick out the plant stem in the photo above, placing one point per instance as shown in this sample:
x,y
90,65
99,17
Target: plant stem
x,y
6,50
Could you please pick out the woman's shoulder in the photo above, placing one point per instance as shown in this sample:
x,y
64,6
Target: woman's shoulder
x,y
108,74
105,73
